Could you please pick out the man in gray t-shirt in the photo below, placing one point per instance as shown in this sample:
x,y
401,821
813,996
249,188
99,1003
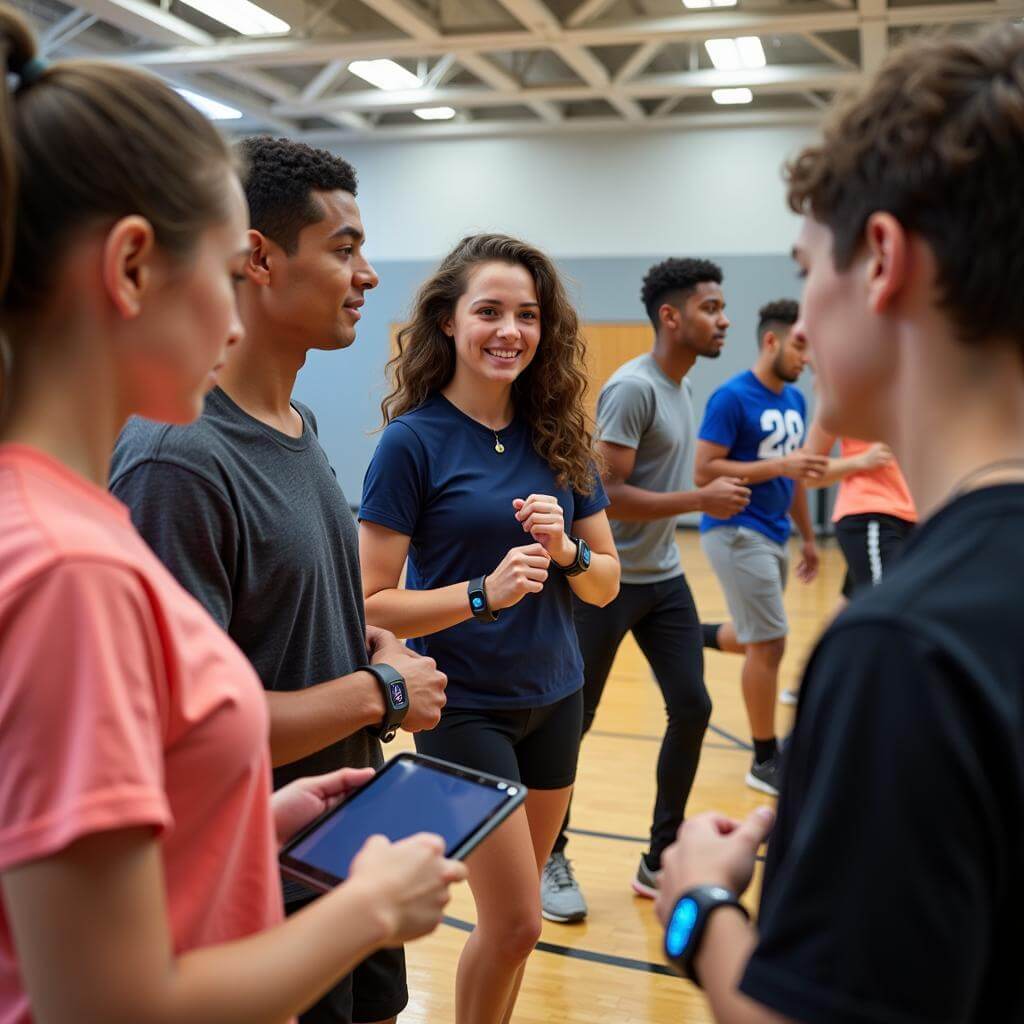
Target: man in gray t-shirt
x,y
244,508
646,435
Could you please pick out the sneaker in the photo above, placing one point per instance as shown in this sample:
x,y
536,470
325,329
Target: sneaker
x,y
560,897
789,697
645,882
764,776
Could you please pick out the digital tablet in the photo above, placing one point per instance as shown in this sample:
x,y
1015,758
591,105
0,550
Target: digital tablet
x,y
410,794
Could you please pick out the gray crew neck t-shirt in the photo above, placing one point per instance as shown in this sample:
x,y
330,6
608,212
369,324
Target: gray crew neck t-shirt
x,y
254,524
642,408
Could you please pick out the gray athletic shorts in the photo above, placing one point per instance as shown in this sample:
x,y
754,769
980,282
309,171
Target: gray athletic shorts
x,y
752,570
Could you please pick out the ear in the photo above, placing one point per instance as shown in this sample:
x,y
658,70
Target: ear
x,y
888,264
261,257
669,316
770,341
448,326
127,267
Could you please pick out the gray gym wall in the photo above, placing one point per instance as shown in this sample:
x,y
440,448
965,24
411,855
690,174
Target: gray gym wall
x,y
605,207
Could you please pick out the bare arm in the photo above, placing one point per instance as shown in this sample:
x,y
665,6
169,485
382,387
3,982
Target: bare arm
x,y
600,583
407,613
94,947
710,462
305,721
821,442
726,947
636,504
800,510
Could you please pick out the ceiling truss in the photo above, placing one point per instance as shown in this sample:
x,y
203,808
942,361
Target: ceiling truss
x,y
657,78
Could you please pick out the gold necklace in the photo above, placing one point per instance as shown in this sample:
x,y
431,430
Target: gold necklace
x,y
498,446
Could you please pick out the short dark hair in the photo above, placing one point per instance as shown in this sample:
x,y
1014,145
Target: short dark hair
x,y
675,279
936,140
279,176
773,315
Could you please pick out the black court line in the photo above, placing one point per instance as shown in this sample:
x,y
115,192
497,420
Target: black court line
x,y
581,954
737,743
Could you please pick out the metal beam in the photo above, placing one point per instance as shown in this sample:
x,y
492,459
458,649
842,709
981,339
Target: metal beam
x,y
499,79
874,34
772,79
411,20
580,126
834,55
439,72
638,61
588,11
534,14
68,28
147,21
330,74
697,26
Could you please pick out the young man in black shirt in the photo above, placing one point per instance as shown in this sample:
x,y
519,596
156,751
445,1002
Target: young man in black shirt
x,y
893,890
244,508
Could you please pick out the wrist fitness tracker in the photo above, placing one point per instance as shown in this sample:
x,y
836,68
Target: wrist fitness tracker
x,y
687,924
581,563
478,601
396,700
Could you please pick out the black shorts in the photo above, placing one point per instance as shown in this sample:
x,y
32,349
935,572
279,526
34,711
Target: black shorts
x,y
870,543
535,746
375,990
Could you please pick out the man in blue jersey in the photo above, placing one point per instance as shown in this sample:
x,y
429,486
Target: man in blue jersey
x,y
753,428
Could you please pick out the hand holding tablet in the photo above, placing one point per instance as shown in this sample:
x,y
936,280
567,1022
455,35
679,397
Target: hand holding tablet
x,y
411,794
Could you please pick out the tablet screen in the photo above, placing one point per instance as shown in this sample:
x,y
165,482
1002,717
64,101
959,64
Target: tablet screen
x,y
409,797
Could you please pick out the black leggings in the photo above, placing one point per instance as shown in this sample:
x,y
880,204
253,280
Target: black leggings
x,y
663,619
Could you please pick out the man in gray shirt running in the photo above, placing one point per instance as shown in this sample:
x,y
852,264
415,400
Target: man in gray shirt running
x,y
646,435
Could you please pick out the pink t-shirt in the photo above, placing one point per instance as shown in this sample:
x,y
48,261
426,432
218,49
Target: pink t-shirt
x,y
882,491
122,704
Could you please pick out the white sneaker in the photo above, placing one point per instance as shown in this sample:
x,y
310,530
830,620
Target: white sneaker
x,y
789,696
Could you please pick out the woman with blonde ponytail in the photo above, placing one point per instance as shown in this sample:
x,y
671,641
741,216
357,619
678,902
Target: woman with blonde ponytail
x,y
138,879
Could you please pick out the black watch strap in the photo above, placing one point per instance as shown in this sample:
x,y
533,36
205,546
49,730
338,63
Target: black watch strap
x,y
396,700
582,561
688,923
478,604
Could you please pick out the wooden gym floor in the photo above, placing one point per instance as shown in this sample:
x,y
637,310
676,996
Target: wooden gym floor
x,y
610,968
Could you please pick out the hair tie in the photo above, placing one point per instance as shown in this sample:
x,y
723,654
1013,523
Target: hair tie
x,y
31,70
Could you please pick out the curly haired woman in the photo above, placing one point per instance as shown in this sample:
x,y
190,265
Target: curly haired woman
x,y
485,480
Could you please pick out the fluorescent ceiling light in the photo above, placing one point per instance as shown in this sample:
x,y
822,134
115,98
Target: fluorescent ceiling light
x,y
435,113
385,74
731,95
751,52
735,54
241,15
211,108
696,5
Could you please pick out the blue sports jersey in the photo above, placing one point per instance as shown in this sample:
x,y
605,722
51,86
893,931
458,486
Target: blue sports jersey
x,y
437,478
755,423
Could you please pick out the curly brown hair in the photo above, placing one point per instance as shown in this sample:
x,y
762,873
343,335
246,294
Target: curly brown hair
x,y
937,140
549,393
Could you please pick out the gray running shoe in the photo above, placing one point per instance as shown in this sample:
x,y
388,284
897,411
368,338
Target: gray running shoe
x,y
764,776
645,882
560,897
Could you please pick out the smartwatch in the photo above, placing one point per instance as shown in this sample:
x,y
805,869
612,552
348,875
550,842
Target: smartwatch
x,y
581,563
396,700
686,926
478,601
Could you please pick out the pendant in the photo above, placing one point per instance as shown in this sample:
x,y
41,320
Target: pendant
x,y
499,447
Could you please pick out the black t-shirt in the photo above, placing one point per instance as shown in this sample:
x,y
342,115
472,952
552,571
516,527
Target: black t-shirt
x,y
893,890
253,523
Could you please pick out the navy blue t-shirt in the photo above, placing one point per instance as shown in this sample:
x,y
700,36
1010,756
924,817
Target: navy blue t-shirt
x,y
754,423
437,478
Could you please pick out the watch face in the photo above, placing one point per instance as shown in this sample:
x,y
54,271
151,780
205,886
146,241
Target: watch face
x,y
397,695
680,927
585,556
477,602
